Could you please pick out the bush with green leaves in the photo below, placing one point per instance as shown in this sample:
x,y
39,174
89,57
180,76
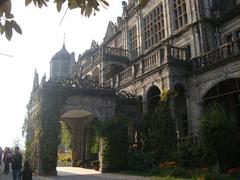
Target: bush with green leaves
x,y
116,143
189,153
65,137
219,137
113,134
140,160
159,132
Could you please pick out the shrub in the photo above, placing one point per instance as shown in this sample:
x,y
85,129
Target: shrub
x,y
140,160
219,137
65,157
168,164
115,144
234,171
189,153
158,132
82,163
95,164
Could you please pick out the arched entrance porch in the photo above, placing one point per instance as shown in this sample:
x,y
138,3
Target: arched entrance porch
x,y
77,101
79,124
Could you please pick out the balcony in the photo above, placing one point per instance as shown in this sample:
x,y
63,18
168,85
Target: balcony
x,y
109,51
106,53
149,63
223,54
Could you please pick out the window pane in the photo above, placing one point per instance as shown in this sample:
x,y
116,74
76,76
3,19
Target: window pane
x,y
179,13
154,25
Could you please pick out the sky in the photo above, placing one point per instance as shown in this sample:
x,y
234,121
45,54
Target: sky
x,y
42,37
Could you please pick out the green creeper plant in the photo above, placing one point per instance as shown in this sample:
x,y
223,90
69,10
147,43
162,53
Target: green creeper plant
x,y
218,134
158,131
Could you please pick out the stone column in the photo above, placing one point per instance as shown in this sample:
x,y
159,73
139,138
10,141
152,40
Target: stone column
x,y
75,144
82,143
87,146
77,140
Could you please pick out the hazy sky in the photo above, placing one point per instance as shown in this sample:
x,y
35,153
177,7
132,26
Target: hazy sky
x,y
42,38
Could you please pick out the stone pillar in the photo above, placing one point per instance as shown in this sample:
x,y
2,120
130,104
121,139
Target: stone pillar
x,y
75,146
82,143
87,149
77,140
48,116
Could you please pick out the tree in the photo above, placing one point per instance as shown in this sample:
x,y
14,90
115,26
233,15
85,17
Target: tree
x,y
88,7
219,136
65,136
158,130
8,18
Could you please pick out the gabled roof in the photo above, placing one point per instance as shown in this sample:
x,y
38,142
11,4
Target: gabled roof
x,y
94,45
111,30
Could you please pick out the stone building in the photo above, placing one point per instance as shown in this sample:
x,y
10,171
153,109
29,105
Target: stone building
x,y
192,46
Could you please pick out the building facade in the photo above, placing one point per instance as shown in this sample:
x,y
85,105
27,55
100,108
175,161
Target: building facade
x,y
190,46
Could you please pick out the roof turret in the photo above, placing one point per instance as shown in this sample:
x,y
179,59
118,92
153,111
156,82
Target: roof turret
x,y
62,54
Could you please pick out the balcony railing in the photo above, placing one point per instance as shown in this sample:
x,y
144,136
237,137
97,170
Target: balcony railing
x,y
115,51
126,75
156,59
216,56
105,51
151,62
177,53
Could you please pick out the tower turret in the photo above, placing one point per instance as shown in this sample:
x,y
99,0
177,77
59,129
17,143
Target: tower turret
x,y
61,64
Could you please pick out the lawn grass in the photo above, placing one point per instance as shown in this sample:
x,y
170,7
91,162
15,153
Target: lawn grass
x,y
180,174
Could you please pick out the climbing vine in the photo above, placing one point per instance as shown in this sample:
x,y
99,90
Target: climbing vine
x,y
113,136
32,127
158,130
44,125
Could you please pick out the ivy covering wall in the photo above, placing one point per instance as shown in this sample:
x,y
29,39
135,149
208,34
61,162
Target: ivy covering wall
x,y
44,123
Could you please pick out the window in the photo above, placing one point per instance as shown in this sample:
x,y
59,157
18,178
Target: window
x,y
238,34
228,47
238,40
158,23
133,42
180,13
228,38
188,51
154,27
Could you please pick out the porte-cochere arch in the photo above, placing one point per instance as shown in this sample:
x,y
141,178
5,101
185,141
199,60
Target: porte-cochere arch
x,y
77,102
79,123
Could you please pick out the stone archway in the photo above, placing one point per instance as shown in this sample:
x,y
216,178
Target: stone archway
x,y
77,101
79,122
153,98
227,94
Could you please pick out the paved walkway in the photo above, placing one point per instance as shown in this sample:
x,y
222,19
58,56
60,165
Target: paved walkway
x,y
71,173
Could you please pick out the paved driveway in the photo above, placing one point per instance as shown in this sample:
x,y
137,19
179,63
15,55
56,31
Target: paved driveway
x,y
70,173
